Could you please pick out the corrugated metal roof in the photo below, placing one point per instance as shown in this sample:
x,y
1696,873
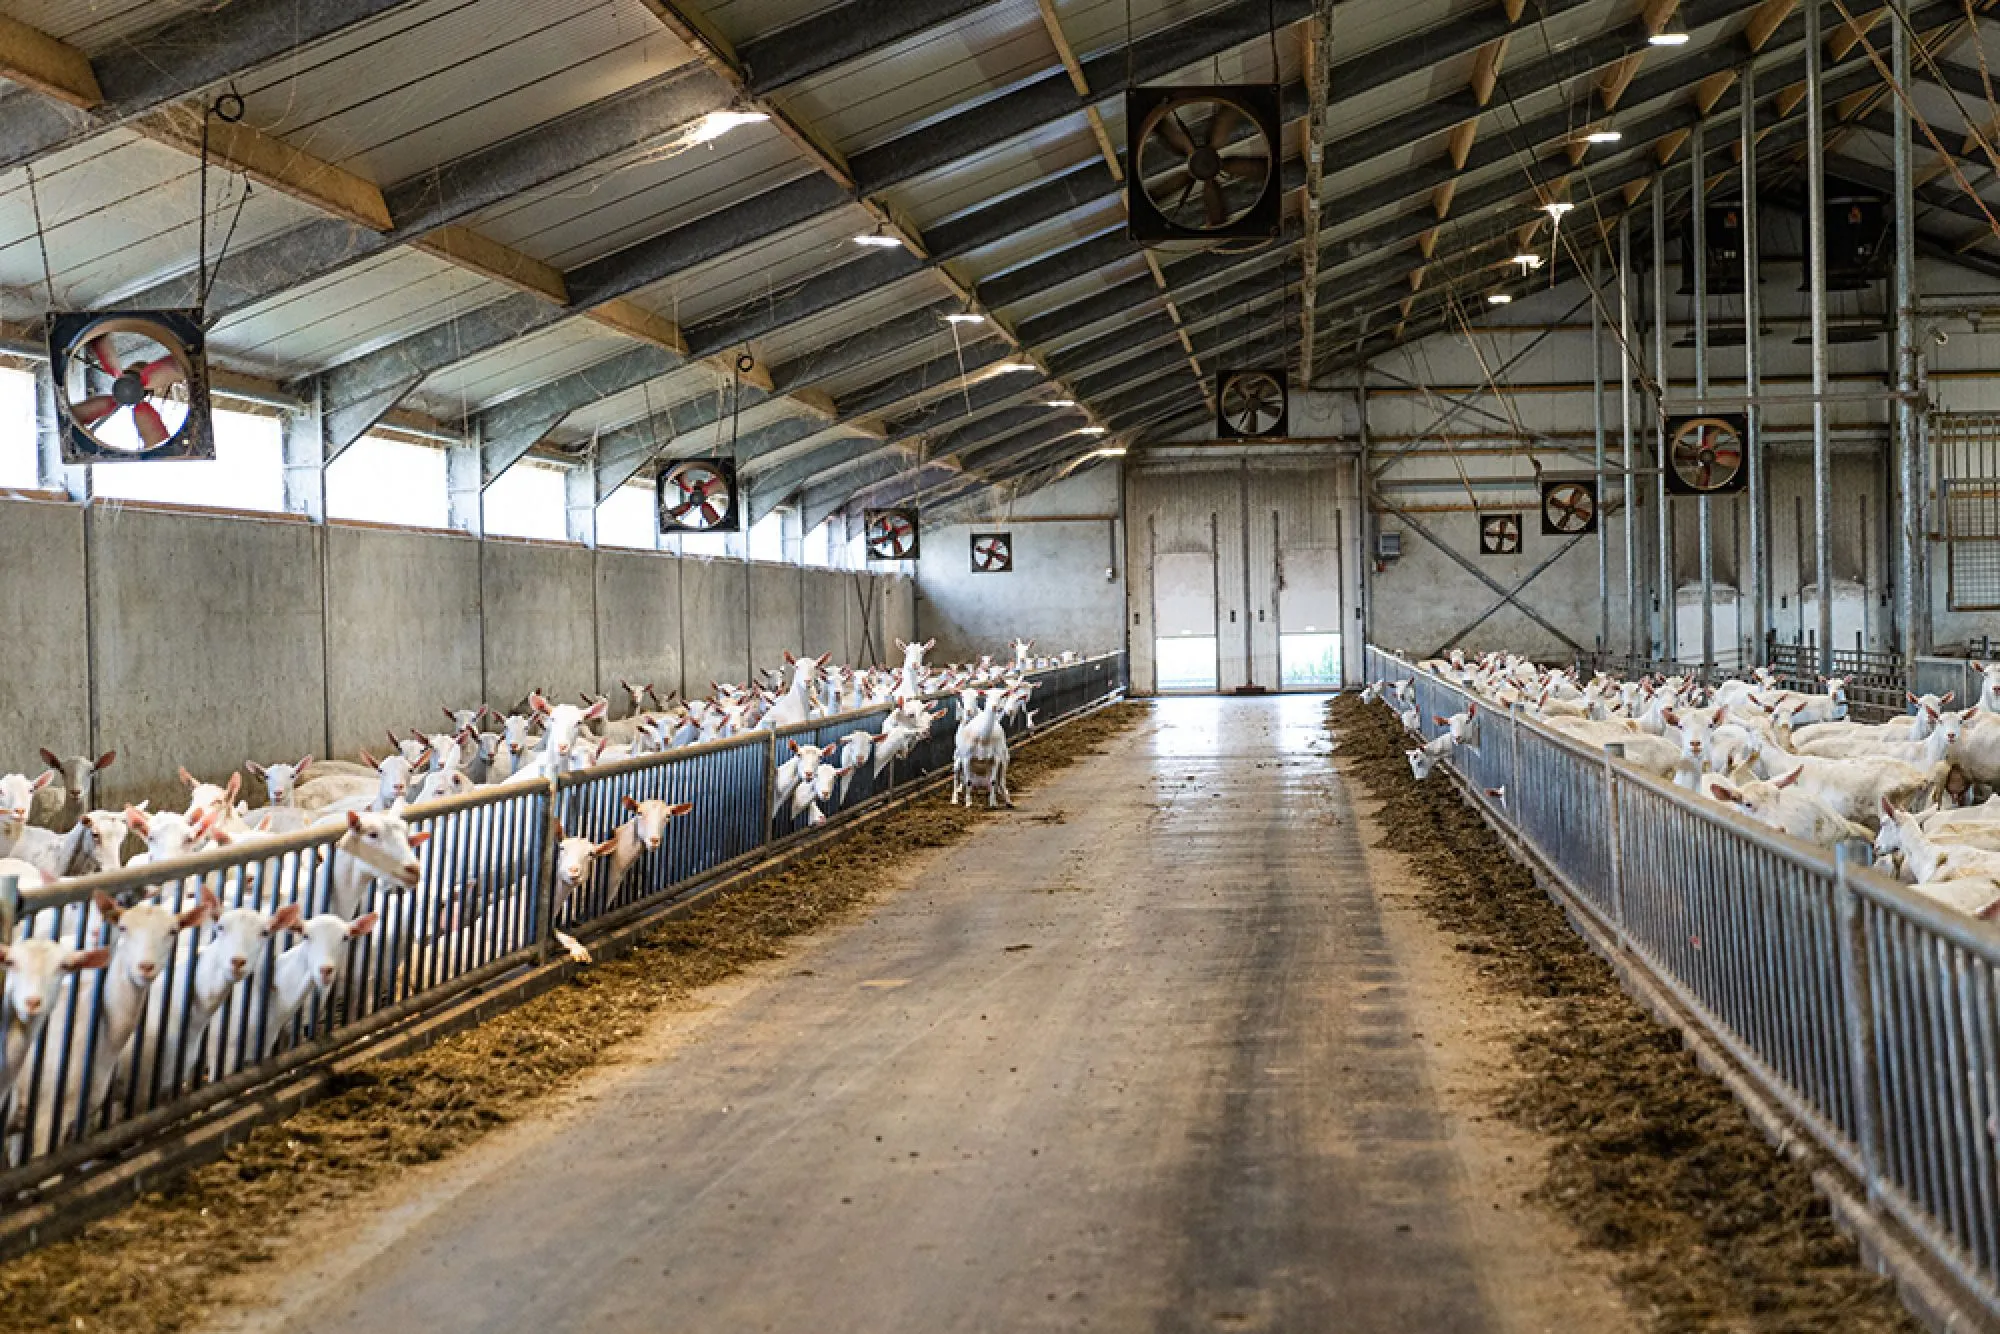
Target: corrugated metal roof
x,y
516,367
761,271
118,211
444,77
99,26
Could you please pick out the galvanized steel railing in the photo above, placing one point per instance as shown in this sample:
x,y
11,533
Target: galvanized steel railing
x,y
484,906
1870,1014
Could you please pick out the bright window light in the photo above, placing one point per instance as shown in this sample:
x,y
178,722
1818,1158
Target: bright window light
x,y
705,544
389,481
527,501
817,547
629,519
247,472
17,429
767,537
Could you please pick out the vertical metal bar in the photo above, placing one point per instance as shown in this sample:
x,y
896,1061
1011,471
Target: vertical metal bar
x,y
1705,506
1753,442
1630,496
1668,644
1597,431
1915,582
1816,254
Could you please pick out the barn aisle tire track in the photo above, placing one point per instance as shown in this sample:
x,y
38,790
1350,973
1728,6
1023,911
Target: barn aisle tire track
x,y
1650,1158
158,1267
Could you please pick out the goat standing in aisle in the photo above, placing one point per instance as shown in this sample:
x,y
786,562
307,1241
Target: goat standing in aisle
x,y
979,761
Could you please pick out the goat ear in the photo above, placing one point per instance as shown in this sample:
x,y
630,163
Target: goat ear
x,y
235,785
606,848
418,840
49,758
680,808
136,819
628,803
1789,778
287,918
86,960
46,777
560,835
537,703
107,907
369,760
256,768
106,760
187,777
361,925
595,711
353,820
305,763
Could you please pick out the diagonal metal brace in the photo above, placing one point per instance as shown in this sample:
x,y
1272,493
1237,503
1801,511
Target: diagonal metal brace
x,y
1505,595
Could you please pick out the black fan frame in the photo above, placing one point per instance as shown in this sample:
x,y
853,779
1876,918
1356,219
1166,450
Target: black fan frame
x,y
65,330
1678,485
1588,485
868,521
1488,546
732,522
1264,221
1279,429
1006,541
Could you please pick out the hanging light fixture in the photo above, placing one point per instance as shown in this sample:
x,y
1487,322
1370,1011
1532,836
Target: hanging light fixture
x,y
718,123
1060,403
1498,298
965,319
1528,260
1603,137
1011,368
878,241
1671,37
1556,208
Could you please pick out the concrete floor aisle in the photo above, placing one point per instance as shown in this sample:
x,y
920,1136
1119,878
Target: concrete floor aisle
x,y
1131,1059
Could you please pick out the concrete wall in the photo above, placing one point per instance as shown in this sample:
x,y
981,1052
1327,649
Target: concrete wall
x,y
1065,538
218,639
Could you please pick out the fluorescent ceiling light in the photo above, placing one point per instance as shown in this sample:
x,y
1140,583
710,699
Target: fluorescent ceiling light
x,y
1011,367
1602,137
1527,259
877,239
1060,403
1668,39
718,123
1499,298
965,319
1555,208
1094,430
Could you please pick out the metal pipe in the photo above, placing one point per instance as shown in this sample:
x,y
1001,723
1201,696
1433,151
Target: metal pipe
x,y
1597,431
1631,524
1816,252
1753,435
1915,582
1669,636
1705,506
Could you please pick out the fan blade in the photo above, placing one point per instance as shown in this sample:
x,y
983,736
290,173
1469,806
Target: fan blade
x,y
1247,168
151,428
162,375
94,410
1181,203
1219,125
1216,208
1176,134
100,348
710,514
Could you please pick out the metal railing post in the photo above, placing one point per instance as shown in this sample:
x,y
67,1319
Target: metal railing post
x,y
1856,998
545,905
1616,835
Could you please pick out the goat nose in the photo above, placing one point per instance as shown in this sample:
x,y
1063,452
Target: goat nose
x,y
32,1004
326,972
148,971
239,963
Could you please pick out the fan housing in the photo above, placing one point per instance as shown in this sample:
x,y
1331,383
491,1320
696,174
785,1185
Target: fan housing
x,y
1569,506
1500,534
1252,404
992,553
131,385
891,534
699,496
1204,164
1706,455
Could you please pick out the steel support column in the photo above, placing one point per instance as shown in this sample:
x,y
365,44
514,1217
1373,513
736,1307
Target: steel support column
x,y
1628,494
1597,433
1816,257
1705,530
1753,437
1914,594
1666,594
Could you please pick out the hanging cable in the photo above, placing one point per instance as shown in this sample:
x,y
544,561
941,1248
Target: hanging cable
x,y
42,240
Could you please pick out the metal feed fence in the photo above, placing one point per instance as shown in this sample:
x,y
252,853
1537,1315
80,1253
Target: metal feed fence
x,y
484,905
1868,1013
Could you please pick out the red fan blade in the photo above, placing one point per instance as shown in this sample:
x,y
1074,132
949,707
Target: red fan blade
x,y
1216,207
1223,122
152,430
709,513
100,348
94,410
160,376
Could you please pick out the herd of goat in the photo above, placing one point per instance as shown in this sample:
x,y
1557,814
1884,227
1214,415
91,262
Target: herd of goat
x,y
1787,759
214,941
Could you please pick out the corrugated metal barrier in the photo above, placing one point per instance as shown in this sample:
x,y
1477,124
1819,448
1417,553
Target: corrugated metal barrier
x,y
1868,1013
